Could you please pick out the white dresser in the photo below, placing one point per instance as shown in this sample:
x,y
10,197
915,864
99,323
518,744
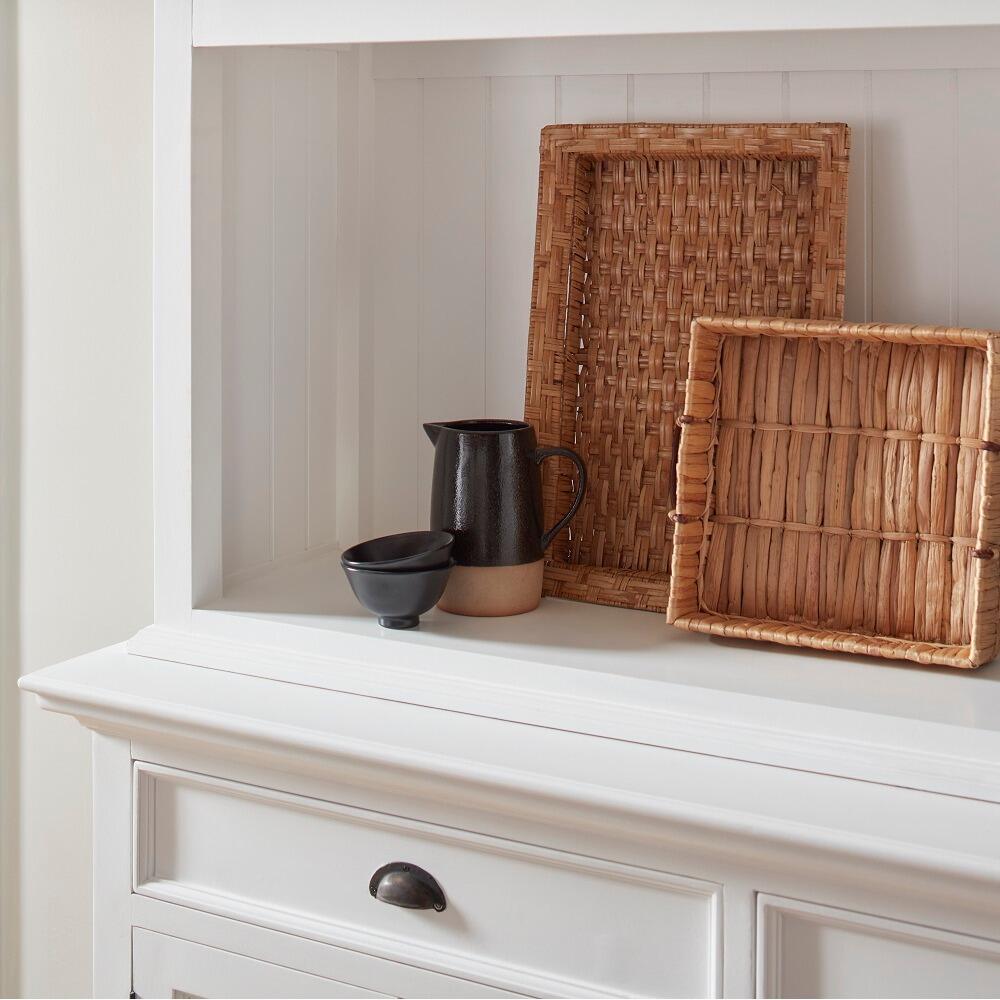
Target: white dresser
x,y
345,197
238,821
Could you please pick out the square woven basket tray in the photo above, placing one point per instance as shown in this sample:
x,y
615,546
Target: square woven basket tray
x,y
640,229
838,488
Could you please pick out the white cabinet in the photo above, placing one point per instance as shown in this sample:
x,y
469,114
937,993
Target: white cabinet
x,y
809,950
343,250
171,967
532,920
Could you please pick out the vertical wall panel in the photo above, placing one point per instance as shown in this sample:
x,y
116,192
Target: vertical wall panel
x,y
842,97
321,343
744,97
348,305
451,366
289,354
668,97
246,341
519,108
207,194
584,99
978,199
398,166
913,159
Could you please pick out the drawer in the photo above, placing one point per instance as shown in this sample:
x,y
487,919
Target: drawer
x,y
810,950
518,917
164,966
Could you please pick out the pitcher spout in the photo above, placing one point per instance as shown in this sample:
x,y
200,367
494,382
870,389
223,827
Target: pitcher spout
x,y
433,431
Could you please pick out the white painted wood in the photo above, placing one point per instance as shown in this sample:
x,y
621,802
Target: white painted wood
x,y
734,52
172,593
592,99
399,443
978,182
207,200
857,845
290,335
257,22
612,672
348,278
806,949
451,364
169,966
858,834
519,107
320,362
248,339
658,933
112,796
743,97
288,309
845,96
300,954
393,370
367,285
668,97
913,148
739,927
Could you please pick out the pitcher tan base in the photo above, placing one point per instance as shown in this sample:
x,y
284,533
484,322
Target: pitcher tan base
x,y
492,591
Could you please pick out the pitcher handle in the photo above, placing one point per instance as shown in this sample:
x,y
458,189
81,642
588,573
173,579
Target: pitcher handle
x,y
540,454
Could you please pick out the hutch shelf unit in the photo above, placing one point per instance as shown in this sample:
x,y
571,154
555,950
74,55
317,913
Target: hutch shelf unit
x,y
345,205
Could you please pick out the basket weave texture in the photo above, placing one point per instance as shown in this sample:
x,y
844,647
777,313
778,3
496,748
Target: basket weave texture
x,y
641,228
838,488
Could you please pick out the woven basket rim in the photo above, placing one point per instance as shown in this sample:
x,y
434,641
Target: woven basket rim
x,y
695,502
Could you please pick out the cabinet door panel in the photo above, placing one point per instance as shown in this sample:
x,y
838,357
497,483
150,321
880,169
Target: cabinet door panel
x,y
808,950
164,966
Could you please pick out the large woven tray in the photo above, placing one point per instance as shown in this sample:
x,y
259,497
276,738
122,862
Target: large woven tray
x,y
838,488
640,229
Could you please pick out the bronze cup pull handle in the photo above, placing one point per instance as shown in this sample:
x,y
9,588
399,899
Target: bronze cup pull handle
x,y
406,885
540,455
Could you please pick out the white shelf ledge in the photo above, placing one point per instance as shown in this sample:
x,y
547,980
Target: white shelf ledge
x,y
884,835
615,673
297,22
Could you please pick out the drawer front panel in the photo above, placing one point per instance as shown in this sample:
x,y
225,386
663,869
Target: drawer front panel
x,y
164,966
809,950
518,917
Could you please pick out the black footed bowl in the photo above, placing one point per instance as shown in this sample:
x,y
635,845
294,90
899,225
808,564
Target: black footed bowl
x,y
399,597
407,550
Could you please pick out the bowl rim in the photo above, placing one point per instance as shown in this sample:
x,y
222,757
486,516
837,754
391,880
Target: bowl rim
x,y
445,539
397,571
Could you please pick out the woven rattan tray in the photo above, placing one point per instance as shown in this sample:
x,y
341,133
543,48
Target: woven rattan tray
x,y
640,229
838,487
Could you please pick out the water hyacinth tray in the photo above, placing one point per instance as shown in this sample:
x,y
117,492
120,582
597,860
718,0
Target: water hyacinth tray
x,y
640,229
838,488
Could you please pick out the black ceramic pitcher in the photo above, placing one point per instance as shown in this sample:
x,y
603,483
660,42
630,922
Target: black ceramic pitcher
x,y
487,491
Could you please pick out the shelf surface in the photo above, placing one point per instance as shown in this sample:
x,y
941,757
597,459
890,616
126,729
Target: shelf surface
x,y
614,673
632,646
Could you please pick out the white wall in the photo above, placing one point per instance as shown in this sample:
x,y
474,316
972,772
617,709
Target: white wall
x,y
84,78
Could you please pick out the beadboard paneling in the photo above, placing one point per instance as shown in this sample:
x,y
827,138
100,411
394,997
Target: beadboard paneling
x,y
668,97
248,307
977,203
320,363
843,96
913,118
451,363
265,235
744,97
454,174
519,107
398,219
